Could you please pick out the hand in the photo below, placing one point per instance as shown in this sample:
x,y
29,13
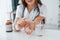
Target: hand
x,y
29,28
38,19
21,23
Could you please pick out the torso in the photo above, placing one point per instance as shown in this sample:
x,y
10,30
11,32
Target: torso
x,y
32,14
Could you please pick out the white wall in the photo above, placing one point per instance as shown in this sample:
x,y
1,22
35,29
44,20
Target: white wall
x,y
5,8
52,11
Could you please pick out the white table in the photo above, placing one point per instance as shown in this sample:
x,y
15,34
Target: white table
x,y
48,35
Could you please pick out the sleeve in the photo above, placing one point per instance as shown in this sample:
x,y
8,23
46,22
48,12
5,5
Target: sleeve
x,y
43,11
19,11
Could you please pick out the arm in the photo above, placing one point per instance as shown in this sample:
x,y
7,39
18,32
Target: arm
x,y
31,26
15,22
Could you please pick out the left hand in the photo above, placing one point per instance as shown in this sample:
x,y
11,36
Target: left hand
x,y
29,28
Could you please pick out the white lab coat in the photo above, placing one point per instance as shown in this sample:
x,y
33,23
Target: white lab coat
x,y
32,14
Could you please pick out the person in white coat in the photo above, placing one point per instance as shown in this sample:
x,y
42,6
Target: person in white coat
x,y
29,14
